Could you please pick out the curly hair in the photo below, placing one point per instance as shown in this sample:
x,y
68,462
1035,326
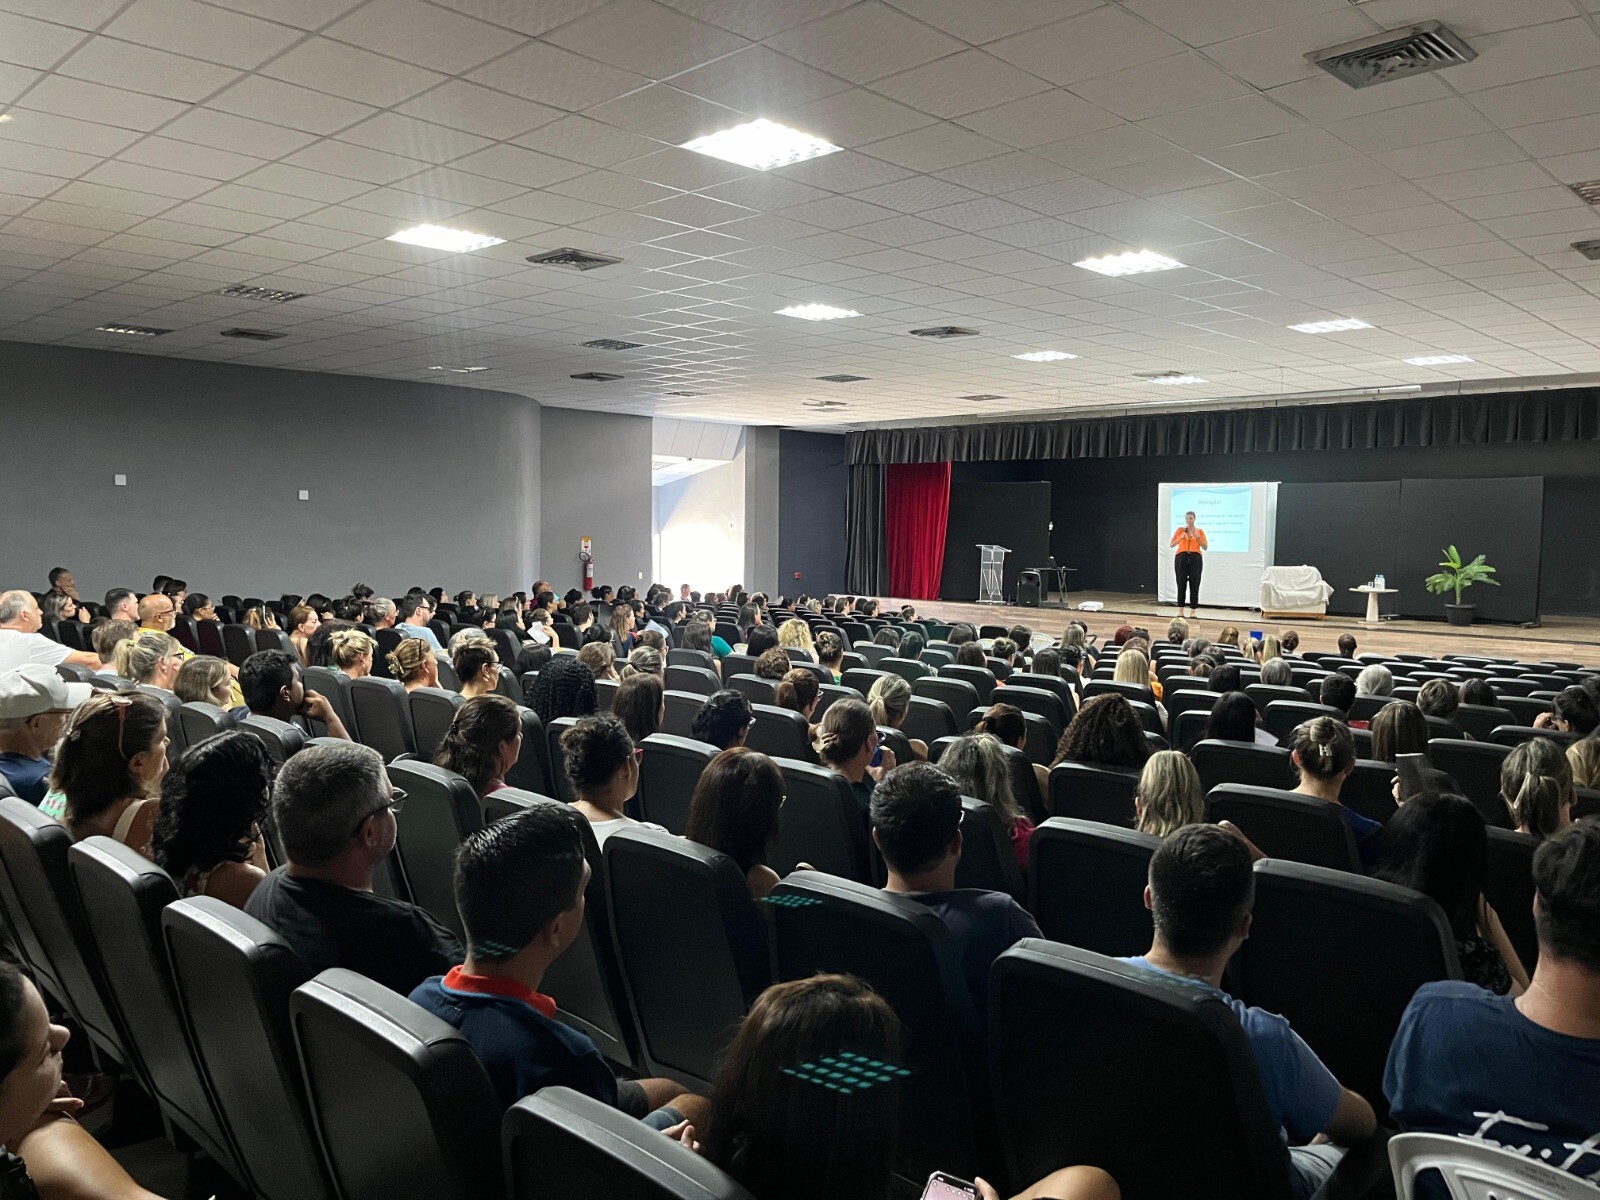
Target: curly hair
x,y
1107,733
721,719
564,687
829,648
773,664
795,634
213,802
479,728
596,748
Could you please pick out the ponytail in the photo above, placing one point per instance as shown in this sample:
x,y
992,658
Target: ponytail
x,y
1537,805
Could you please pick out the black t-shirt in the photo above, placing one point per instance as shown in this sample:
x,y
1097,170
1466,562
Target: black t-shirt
x,y
395,943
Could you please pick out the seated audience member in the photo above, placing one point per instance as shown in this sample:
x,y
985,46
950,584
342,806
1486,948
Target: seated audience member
x,y
564,687
1122,633
604,772
912,646
889,637
1347,645
414,663
538,627
105,638
350,651
1536,784
1132,666
970,654
44,1153
760,639
735,811
204,680
1269,649
890,702
978,765
961,633
1224,679
1277,672
1229,636
1234,719
723,720
1008,724
35,703
1517,1072
1168,797
830,654
643,660
1583,758
640,704
1105,733
847,741
21,642
1289,641
519,887
1436,844
303,622
600,658
1200,894
622,627
60,607
214,801
799,691
273,688
1574,711
697,635
259,616
1324,754
1339,691
916,824
122,604
381,613
334,810
1478,691
1078,636
1399,728
414,614
150,659
483,742
1005,650
1048,660
108,769
1375,680
773,664
1177,631
1439,698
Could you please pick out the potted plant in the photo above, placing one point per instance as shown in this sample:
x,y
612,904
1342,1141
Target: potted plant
x,y
1455,576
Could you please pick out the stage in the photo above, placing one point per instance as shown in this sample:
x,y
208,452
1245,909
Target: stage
x,y
1568,639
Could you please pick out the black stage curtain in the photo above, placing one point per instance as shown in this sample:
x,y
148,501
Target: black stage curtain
x,y
866,557
1568,415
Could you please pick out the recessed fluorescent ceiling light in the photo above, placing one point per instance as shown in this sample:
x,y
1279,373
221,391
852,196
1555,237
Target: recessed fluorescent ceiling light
x,y
132,330
1044,356
1135,262
459,370
816,312
437,237
1438,360
1339,326
1177,379
761,145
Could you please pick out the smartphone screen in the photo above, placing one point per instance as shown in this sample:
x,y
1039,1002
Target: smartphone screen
x,y
948,1187
877,757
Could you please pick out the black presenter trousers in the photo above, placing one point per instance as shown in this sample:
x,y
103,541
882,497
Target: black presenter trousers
x,y
1187,565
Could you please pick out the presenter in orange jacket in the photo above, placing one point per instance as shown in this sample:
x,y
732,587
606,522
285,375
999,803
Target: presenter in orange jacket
x,y
1189,540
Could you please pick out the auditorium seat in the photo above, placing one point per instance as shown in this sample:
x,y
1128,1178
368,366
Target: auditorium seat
x,y
821,824
668,773
281,739
1475,766
1515,735
1196,697
400,1102
981,679
200,720
234,977
928,719
1263,694
1043,703
905,952
1364,708
1326,945
274,639
780,733
558,757
335,686
1138,692
1024,783
1087,792
896,743
383,711
1478,721
441,810
874,654
684,657
738,664
507,645
861,679
561,1143
531,772
987,860
1508,887
908,669
1525,709
123,893
702,680
753,688
829,694
174,707
957,695
1369,790
1282,717
432,711
1286,825
1240,762
239,642
682,708
208,637
999,668
448,679
1040,744
692,944
1080,1042
1087,881
1189,727
567,637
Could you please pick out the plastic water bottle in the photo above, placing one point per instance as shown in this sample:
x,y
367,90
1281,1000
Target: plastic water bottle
x,y
1378,582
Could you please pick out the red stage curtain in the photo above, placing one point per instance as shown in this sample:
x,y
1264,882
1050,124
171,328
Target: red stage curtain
x,y
917,504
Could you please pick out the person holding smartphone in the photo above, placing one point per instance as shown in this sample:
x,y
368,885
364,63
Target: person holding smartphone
x,y
847,741
1189,540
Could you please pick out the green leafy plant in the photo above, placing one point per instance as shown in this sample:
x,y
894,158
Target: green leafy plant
x,y
1457,575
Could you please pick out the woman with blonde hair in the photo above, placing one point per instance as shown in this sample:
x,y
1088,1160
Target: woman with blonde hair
x,y
979,765
259,616
303,622
890,701
412,662
1168,796
1229,636
1271,648
1133,667
795,634
350,651
601,658
642,660
1536,785
152,659
204,680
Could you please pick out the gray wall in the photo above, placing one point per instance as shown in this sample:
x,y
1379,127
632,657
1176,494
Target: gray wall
x,y
402,477
595,481
761,464
813,481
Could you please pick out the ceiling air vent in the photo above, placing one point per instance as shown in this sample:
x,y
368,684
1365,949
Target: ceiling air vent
x,y
254,335
1413,50
944,331
1154,376
569,256
840,378
1588,192
979,399
680,393
245,291
825,404
1588,249
132,330
597,376
611,344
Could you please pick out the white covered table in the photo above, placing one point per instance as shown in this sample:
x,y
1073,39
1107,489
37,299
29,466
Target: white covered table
x,y
1294,592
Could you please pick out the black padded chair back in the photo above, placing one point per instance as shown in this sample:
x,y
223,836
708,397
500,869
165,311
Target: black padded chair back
x,y
208,637
821,824
441,811
981,680
684,657
1049,683
958,695
1086,792
558,757
1263,694
274,639
927,720
335,685
829,694
987,859
1369,790
383,713
1079,1041
904,951
1042,703
238,643
1478,721
1280,718
700,680
669,772
682,708
1512,736
1508,887
1024,783
562,1143
861,679
872,652
531,772
908,669
1526,708
1324,945
1139,692
506,643
1240,762
1087,880
1188,728
1287,825
780,733
432,710
174,706
1475,766
200,720
692,944
1365,707
400,1102
738,664
234,977
280,739
123,894
753,688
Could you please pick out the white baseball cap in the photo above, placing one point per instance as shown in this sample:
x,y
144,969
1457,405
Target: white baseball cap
x,y
33,688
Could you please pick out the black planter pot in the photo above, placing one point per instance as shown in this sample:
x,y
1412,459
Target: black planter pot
x,y
1459,614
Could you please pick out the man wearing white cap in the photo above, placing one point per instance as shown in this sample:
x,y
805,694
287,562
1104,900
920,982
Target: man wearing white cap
x,y
34,705
21,642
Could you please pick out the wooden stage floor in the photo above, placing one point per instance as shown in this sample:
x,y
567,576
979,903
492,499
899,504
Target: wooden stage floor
x,y
1571,639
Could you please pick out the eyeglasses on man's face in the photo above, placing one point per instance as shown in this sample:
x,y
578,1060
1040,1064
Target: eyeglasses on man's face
x,y
395,803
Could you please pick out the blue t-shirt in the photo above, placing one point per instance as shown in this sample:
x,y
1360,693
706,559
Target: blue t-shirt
x,y
1465,1062
26,775
521,1049
1302,1094
1369,837
421,633
983,925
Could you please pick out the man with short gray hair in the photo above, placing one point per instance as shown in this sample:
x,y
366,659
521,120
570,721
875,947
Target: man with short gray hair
x,y
334,810
22,643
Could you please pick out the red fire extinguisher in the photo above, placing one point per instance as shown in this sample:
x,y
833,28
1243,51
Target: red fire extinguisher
x,y
586,556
